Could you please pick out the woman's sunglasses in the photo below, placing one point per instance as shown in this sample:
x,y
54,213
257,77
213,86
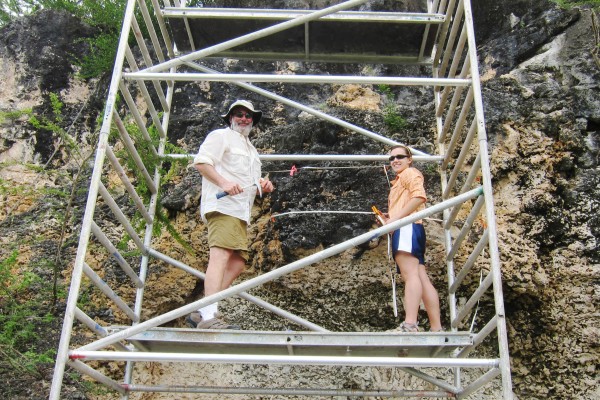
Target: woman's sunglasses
x,y
398,157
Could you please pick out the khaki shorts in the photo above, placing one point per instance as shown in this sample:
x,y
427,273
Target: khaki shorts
x,y
227,232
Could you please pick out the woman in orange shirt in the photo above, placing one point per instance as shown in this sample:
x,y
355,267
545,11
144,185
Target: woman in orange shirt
x,y
407,196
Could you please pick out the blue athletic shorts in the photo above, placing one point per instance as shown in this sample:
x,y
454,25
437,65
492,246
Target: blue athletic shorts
x,y
411,239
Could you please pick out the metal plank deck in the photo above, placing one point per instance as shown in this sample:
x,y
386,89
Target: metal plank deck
x,y
349,36
356,344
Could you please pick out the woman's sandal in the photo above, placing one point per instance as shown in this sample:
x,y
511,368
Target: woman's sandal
x,y
406,327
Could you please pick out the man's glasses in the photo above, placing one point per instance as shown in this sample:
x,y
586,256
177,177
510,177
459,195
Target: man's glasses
x,y
398,157
241,114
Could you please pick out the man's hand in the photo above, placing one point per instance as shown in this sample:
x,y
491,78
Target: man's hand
x,y
266,185
231,188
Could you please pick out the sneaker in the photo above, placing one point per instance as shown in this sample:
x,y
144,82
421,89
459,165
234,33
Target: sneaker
x,y
216,323
193,319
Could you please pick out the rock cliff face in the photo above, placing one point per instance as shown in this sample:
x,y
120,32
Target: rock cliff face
x,y
542,100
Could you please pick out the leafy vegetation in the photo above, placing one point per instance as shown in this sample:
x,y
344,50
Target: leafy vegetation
x,y
27,298
391,116
168,170
106,16
20,297
577,3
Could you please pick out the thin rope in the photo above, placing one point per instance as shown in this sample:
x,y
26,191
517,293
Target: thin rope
x,y
319,212
477,307
321,168
277,215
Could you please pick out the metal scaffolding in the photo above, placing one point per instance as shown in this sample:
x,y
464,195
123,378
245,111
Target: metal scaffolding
x,y
173,37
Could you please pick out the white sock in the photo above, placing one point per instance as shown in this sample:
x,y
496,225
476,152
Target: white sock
x,y
209,311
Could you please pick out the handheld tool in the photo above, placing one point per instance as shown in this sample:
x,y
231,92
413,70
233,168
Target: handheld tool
x,y
257,184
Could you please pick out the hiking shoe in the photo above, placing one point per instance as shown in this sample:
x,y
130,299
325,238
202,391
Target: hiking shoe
x,y
216,323
193,319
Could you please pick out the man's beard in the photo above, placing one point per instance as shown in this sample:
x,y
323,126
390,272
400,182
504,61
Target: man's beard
x,y
244,130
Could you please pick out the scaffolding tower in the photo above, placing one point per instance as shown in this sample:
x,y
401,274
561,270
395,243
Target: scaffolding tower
x,y
172,38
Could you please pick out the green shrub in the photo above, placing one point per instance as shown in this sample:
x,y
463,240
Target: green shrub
x,y
20,303
391,117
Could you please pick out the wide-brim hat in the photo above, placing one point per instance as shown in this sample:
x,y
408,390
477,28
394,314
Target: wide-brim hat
x,y
256,114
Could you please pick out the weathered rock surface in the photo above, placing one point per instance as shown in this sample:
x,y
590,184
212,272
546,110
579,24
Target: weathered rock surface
x,y
542,99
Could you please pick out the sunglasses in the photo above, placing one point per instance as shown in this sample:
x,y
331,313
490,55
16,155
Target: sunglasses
x,y
241,114
398,157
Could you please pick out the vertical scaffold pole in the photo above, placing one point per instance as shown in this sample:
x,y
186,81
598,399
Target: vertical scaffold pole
x,y
67,328
489,209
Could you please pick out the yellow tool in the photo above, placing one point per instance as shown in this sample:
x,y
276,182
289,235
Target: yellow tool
x,y
379,215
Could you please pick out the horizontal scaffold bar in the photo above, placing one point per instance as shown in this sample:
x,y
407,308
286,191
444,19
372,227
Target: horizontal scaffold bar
x,y
279,15
290,391
292,360
375,80
322,157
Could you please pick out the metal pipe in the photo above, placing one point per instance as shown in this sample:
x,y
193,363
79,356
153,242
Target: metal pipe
x,y
84,236
274,15
142,85
139,295
290,391
134,153
330,79
466,227
255,35
483,241
479,337
87,370
137,117
446,93
451,38
283,360
128,185
490,213
90,323
466,309
468,182
116,254
121,217
253,299
449,118
479,382
151,31
460,122
460,160
426,33
457,56
323,157
428,378
163,28
108,292
445,215
439,47
96,328
309,110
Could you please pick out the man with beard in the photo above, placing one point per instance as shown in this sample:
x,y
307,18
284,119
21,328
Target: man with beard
x,y
231,177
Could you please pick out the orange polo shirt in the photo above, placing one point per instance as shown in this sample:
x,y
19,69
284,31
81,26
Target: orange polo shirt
x,y
407,185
